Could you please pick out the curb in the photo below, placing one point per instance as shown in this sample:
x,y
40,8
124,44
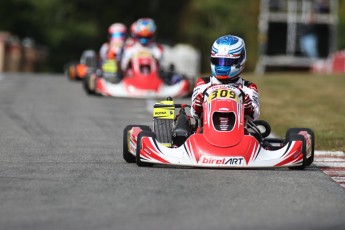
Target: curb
x,y
332,163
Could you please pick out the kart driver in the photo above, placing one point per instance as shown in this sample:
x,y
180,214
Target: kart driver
x,y
142,32
228,57
116,39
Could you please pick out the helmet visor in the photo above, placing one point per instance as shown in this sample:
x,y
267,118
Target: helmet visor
x,y
225,61
144,40
117,36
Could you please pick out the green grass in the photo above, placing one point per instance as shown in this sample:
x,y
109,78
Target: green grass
x,y
304,100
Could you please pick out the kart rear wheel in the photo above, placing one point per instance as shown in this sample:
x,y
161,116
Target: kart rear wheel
x,y
70,71
86,85
127,156
298,137
292,131
138,160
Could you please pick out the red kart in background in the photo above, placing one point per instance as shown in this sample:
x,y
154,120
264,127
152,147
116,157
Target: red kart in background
x,y
141,80
223,139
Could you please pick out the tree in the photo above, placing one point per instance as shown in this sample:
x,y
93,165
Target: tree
x,y
67,27
204,21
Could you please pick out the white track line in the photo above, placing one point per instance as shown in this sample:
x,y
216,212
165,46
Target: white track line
x,y
329,153
339,179
328,159
331,164
335,173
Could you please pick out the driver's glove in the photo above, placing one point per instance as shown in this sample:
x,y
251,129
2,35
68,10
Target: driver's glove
x,y
248,106
197,104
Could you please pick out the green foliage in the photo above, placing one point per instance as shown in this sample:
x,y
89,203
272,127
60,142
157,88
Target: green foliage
x,y
67,27
341,26
204,21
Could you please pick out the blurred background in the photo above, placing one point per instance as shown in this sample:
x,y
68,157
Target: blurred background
x,y
43,35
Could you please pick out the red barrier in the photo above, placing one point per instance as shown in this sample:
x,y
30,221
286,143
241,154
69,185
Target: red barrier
x,y
338,62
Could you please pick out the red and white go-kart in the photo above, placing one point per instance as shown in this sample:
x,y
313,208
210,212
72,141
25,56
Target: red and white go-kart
x,y
141,80
223,139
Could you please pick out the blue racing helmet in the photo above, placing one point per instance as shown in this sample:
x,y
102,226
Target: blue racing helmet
x,y
144,30
228,56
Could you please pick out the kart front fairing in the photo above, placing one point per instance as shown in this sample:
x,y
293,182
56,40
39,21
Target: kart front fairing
x,y
198,152
223,119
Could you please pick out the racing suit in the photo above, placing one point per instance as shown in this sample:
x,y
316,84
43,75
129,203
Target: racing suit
x,y
133,46
111,50
251,101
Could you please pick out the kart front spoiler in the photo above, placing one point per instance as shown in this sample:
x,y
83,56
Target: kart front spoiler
x,y
106,88
197,152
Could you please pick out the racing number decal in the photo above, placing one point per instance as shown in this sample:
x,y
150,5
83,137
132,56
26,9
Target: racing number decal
x,y
224,93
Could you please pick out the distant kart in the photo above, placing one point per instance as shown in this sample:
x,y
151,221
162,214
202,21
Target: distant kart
x,y
141,80
223,140
86,65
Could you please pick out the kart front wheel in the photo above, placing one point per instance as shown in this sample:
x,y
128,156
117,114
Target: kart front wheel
x,y
86,85
140,136
292,131
127,156
297,137
70,71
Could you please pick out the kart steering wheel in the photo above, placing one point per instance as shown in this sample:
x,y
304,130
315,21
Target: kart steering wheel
x,y
258,125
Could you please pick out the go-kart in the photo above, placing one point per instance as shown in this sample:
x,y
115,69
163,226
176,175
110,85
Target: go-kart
x,y
141,80
224,138
86,65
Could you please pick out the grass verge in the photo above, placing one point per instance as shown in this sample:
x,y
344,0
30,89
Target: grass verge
x,y
304,100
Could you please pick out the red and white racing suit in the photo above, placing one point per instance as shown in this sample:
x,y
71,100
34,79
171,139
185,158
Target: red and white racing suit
x,y
251,102
133,46
111,50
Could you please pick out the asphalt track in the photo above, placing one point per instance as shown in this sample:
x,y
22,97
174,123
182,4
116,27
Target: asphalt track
x,y
61,167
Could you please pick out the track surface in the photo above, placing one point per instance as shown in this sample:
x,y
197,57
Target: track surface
x,y
61,167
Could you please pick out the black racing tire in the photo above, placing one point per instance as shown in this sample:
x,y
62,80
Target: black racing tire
x,y
138,160
127,156
292,131
297,137
70,71
86,85
88,79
